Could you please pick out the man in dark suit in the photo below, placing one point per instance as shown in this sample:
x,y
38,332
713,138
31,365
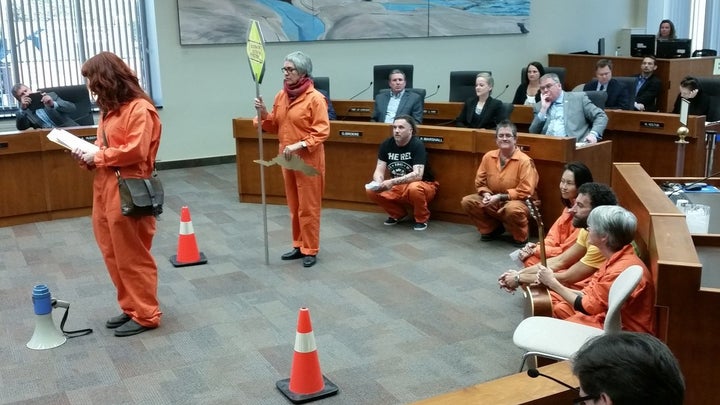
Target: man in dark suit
x,y
560,113
618,96
647,86
397,101
52,111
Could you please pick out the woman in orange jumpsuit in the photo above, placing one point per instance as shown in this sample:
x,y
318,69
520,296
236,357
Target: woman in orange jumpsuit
x,y
128,136
299,116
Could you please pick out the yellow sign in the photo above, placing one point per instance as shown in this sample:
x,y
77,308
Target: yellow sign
x,y
256,51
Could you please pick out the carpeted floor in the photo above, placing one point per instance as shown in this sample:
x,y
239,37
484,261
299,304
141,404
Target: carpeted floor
x,y
398,315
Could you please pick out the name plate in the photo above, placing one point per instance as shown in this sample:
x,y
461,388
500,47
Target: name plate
x,y
432,139
359,109
652,124
430,111
350,134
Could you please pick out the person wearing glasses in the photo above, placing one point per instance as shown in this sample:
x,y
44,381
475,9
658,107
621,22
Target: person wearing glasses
x,y
611,229
505,178
628,368
300,119
51,111
398,101
691,91
561,113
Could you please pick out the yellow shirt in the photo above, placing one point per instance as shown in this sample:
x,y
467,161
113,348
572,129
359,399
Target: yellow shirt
x,y
593,257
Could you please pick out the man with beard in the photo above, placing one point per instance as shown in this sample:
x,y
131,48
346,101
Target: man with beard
x,y
574,266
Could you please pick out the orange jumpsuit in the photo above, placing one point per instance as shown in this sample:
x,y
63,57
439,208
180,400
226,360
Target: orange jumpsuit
x,y
303,119
518,179
133,137
561,236
636,313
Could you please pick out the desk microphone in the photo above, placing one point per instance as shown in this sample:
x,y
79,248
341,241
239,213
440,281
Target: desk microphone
x,y
363,91
503,92
687,186
533,373
436,92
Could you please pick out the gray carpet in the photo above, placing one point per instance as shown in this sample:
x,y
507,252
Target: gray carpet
x,y
398,315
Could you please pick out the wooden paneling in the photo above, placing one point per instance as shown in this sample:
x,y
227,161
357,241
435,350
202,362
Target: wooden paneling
x,y
40,179
687,313
454,156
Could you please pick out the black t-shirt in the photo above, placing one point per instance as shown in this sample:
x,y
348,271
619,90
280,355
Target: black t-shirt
x,y
400,160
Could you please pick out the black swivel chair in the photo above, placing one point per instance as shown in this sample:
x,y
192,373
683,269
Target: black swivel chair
x,y
462,84
560,71
80,96
322,83
381,75
598,98
704,52
508,109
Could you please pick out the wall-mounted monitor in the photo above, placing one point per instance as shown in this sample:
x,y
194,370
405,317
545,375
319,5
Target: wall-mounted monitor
x,y
676,48
642,45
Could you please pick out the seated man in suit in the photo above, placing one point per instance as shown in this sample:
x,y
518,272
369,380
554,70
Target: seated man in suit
x,y
562,113
618,96
53,113
647,86
397,101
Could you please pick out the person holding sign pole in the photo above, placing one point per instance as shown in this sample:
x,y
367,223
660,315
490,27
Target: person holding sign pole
x,y
300,119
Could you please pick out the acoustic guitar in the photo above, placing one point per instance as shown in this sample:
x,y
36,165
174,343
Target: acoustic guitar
x,y
537,297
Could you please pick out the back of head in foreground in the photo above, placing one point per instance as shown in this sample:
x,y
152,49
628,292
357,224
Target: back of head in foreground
x,y
629,368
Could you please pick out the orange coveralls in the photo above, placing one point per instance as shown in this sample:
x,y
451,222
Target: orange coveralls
x,y
133,136
303,119
517,179
636,313
561,236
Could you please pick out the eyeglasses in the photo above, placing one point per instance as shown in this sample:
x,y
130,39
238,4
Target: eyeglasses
x,y
547,86
505,136
288,69
581,400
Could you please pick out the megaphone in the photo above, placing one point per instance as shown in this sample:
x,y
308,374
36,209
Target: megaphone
x,y
46,335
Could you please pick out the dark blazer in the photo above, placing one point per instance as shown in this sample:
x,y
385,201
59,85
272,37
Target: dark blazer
x,y
410,104
492,113
699,105
59,115
618,94
648,93
521,94
331,110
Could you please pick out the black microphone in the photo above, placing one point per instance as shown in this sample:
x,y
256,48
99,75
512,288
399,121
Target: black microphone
x,y
436,91
533,373
363,91
503,92
687,186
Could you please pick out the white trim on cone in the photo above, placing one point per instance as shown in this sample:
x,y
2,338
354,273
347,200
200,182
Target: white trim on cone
x,y
305,342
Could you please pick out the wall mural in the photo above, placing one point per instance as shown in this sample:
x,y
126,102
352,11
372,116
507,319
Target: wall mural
x,y
226,21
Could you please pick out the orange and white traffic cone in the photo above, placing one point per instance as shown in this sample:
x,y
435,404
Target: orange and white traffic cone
x,y
306,382
187,252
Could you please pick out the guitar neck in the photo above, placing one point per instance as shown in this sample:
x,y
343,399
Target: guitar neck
x,y
541,242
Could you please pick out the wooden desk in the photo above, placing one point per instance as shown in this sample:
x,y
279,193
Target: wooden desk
x,y
515,389
648,138
581,69
455,153
40,180
435,113
687,313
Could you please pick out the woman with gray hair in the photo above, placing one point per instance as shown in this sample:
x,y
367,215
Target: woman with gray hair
x,y
611,229
300,119
482,111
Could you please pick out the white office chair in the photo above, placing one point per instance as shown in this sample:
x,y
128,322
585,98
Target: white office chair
x,y
559,339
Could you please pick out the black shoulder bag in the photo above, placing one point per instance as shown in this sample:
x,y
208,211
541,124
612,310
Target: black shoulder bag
x,y
139,197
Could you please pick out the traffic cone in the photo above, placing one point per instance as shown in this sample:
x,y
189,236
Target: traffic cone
x,y
306,382
187,252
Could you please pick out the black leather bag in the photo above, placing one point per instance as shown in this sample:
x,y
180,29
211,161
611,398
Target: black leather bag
x,y
140,197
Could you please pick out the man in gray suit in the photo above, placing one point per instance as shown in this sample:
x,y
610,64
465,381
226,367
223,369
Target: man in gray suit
x,y
397,101
562,113
50,112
